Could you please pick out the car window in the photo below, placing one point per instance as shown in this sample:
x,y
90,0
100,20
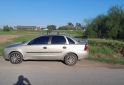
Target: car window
x,y
58,40
40,40
74,38
70,41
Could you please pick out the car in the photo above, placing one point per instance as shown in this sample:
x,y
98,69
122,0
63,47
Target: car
x,y
48,46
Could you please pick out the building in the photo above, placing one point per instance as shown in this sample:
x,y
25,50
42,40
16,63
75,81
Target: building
x,y
27,28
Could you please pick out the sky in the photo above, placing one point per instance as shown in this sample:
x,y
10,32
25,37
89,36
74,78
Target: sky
x,y
51,12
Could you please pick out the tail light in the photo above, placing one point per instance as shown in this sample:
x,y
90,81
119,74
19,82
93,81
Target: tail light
x,y
86,47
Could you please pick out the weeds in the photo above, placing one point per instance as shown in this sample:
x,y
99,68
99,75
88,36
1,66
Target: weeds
x,y
110,61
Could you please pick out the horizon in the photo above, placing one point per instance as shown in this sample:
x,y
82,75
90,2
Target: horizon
x,y
51,12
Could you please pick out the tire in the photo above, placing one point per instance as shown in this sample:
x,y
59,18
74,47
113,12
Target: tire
x,y
15,57
70,59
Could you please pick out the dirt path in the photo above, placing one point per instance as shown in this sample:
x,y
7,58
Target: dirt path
x,y
7,38
48,64
93,64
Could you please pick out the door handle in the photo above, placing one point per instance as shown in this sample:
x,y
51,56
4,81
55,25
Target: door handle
x,y
64,47
44,47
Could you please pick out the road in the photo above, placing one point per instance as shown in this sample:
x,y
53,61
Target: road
x,y
56,73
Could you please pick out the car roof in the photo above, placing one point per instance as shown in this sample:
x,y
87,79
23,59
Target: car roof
x,y
54,33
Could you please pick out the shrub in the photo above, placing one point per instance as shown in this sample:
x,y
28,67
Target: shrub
x,y
116,46
6,28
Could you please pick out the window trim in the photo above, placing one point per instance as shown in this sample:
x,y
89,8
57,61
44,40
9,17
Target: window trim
x,y
30,42
71,39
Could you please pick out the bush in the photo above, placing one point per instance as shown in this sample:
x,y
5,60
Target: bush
x,y
116,46
6,28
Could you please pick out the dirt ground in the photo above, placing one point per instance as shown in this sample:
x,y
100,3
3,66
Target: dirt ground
x,y
7,38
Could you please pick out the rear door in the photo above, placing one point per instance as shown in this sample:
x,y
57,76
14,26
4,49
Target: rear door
x,y
58,47
38,48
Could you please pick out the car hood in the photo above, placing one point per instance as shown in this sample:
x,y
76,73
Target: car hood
x,y
14,44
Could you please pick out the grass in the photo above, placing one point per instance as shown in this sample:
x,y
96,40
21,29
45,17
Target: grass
x,y
101,54
105,60
107,40
100,50
104,54
116,46
21,32
24,38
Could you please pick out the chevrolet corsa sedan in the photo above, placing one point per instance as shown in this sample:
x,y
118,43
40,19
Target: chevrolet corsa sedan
x,y
48,47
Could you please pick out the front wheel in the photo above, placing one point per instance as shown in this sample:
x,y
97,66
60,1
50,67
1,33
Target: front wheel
x,y
15,57
70,59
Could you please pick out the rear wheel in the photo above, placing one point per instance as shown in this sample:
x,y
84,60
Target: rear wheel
x,y
15,57
70,59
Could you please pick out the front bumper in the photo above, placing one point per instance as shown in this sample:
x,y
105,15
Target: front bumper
x,y
5,53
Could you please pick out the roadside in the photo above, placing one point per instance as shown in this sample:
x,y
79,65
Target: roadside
x,y
57,64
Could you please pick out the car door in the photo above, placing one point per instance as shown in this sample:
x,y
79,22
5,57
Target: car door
x,y
58,47
37,48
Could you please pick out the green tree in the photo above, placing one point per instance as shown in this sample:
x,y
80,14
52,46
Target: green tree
x,y
63,28
78,26
11,28
51,27
110,25
115,22
90,32
42,28
70,24
6,28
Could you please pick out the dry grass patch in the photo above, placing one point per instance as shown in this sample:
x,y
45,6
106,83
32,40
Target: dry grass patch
x,y
7,38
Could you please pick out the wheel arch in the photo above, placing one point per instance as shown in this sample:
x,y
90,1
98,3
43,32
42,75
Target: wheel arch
x,y
17,51
69,53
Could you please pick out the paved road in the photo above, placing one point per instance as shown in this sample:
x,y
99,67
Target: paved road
x,y
56,73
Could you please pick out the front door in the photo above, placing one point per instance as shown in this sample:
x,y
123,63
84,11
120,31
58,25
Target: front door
x,y
37,48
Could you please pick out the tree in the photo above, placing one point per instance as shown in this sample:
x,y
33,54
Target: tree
x,y
90,32
78,26
51,27
6,28
63,28
11,28
42,28
70,24
110,25
115,22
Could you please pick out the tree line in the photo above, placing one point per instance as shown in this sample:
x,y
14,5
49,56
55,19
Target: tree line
x,y
109,26
69,26
7,28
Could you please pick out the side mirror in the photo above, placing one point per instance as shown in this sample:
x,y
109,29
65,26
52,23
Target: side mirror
x,y
29,43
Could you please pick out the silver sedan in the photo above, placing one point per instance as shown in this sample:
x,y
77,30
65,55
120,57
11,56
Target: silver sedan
x,y
48,47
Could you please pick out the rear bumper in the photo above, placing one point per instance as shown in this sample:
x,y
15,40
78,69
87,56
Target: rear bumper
x,y
82,55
